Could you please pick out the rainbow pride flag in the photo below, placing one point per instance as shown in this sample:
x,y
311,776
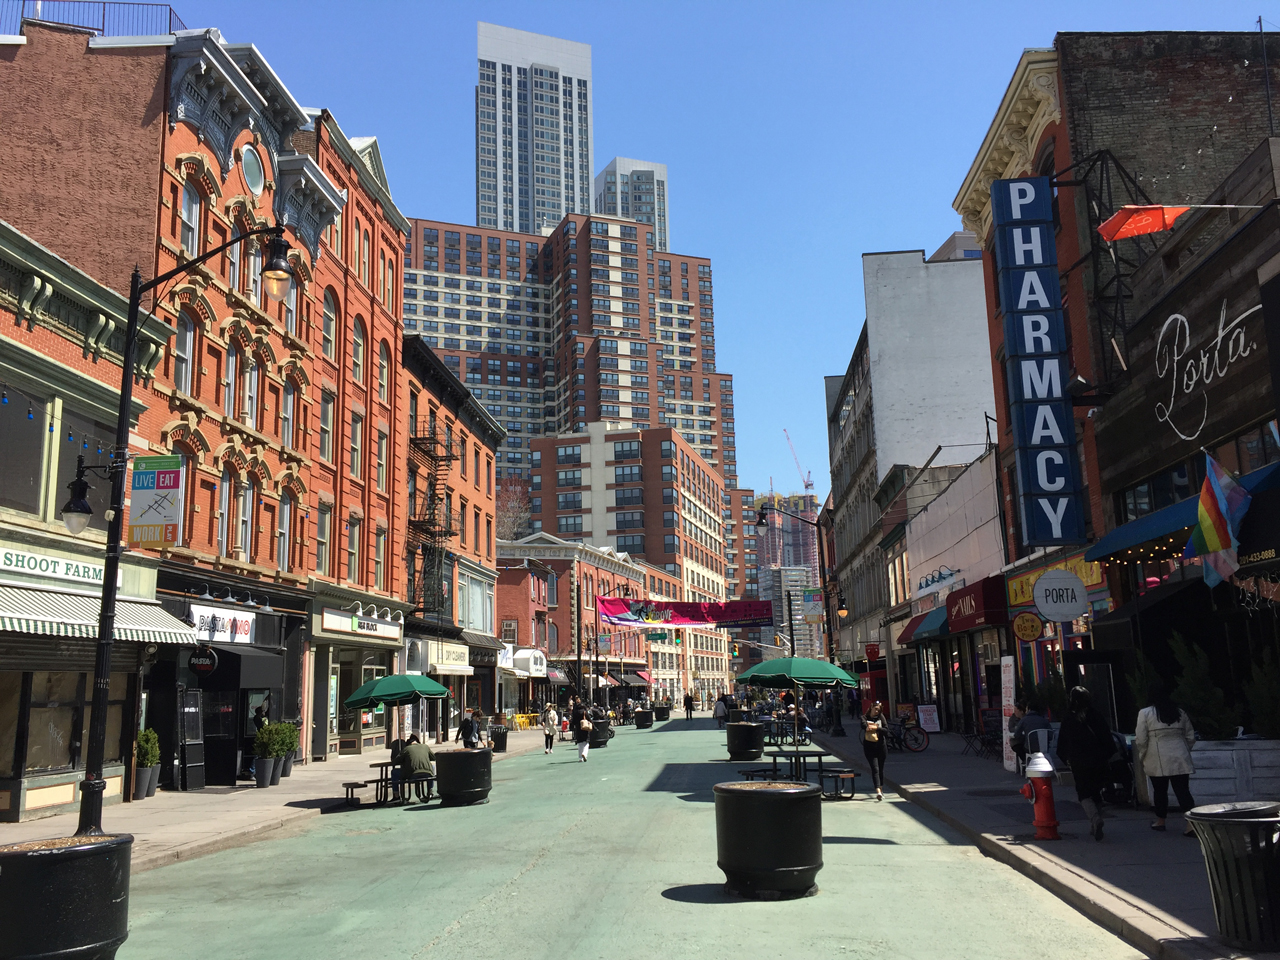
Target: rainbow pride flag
x,y
1223,504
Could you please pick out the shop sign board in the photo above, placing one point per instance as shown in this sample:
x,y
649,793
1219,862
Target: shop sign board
x,y
1044,428
450,654
1007,683
155,503
344,621
507,656
980,604
927,713
1027,627
54,568
873,651
220,625
1021,587
811,605
1060,596
202,661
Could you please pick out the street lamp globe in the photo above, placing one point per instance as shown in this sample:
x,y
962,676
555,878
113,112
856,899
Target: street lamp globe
x,y
842,608
762,522
277,274
76,513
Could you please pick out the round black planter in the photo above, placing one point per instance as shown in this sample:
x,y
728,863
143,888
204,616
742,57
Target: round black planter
x,y
287,769
644,719
153,780
769,838
277,766
662,713
745,740
599,736
262,769
141,780
735,716
464,776
67,902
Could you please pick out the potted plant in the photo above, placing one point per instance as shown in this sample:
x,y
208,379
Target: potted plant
x,y
146,764
275,739
263,764
288,734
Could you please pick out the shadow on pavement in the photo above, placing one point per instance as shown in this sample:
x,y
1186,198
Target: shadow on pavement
x,y
859,840
692,780
701,893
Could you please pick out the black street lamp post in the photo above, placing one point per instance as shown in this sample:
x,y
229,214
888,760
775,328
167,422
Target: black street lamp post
x,y
762,524
276,275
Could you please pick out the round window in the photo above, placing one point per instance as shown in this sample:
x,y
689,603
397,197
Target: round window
x,y
252,165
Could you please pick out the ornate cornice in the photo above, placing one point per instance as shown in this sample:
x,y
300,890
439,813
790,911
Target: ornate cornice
x,y
1030,104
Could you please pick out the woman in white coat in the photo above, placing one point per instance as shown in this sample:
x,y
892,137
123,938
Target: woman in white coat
x,y
1163,739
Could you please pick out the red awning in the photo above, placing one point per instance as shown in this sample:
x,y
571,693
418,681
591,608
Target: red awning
x,y
981,604
909,631
644,675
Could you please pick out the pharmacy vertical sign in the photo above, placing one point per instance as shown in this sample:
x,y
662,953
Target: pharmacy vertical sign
x,y
155,503
1037,365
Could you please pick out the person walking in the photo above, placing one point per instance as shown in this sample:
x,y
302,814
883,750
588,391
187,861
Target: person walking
x,y
1085,744
875,732
468,731
1163,741
550,724
581,729
720,712
688,706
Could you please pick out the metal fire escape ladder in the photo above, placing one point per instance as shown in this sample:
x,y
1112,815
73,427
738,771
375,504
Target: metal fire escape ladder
x,y
430,525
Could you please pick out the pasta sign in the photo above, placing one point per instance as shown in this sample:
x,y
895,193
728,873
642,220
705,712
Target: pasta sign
x,y
1035,344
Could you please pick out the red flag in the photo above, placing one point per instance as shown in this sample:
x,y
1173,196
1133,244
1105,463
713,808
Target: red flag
x,y
1133,220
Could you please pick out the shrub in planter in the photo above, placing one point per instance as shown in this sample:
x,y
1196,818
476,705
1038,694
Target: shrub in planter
x,y
1197,693
263,764
287,735
146,763
1262,693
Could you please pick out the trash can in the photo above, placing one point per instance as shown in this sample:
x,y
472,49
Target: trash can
x,y
662,713
599,735
499,737
1241,847
644,719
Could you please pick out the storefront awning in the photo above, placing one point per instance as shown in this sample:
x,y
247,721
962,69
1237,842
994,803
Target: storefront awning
x,y
631,680
607,681
926,626
1172,519
644,675
908,634
474,639
52,614
451,669
556,675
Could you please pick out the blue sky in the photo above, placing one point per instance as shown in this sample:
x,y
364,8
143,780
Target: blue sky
x,y
797,135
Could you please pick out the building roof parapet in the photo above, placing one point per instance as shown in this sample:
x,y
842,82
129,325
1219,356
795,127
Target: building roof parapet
x,y
365,158
1030,104
306,199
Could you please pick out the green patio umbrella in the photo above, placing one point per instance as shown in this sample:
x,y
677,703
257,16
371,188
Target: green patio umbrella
x,y
396,689
797,672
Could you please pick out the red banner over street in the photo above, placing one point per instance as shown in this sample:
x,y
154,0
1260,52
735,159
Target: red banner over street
x,y
666,613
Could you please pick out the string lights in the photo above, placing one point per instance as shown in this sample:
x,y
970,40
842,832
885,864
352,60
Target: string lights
x,y
86,440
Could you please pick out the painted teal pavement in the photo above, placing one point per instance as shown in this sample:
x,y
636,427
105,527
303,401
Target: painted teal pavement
x,y
610,858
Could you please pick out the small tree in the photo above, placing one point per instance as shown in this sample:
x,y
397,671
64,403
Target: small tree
x,y
512,508
1205,702
1262,693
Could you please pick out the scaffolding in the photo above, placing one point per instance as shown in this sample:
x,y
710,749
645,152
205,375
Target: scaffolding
x,y
431,524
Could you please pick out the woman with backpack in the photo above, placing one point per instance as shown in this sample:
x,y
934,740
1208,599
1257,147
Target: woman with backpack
x,y
1163,741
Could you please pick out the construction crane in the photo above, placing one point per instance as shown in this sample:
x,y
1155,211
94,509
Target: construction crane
x,y
806,479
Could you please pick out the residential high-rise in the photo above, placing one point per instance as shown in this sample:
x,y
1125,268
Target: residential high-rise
x,y
533,129
785,587
636,189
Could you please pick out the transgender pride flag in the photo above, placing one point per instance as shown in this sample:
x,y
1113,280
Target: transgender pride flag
x,y
1223,504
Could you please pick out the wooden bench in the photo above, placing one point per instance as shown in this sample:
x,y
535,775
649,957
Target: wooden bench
x,y
351,787
839,778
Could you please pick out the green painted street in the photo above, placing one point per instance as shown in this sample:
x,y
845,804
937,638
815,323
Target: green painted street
x,y
611,858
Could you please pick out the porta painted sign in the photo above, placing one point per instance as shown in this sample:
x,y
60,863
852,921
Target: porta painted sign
x,y
1044,427
155,503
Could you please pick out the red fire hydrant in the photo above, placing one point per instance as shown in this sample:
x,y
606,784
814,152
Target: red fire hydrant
x,y
1039,790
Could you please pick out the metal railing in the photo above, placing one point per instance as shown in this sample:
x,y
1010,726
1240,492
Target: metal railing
x,y
104,18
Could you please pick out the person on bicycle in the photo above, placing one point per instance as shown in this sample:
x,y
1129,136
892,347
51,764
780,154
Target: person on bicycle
x,y
875,731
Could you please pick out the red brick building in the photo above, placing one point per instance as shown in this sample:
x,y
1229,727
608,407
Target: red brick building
x,y
524,587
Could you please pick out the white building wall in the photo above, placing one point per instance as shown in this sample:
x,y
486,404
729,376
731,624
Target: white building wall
x,y
930,357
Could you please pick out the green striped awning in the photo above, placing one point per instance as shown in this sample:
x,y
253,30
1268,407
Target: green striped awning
x,y
52,614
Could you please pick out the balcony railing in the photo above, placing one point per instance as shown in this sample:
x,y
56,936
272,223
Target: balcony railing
x,y
104,19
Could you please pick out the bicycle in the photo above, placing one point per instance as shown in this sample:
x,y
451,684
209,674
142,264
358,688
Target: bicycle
x,y
907,735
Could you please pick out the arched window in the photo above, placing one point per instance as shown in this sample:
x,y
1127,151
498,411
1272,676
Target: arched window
x,y
284,530
233,259
191,218
230,392
182,351
252,381
330,323
288,416
357,352
382,277
291,307
254,268
224,512
244,518
384,371
364,258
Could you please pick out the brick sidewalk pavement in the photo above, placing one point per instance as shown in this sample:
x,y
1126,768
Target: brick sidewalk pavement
x,y
1149,888
175,826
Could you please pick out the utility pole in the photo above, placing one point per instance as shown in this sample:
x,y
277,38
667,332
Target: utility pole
x,y
791,624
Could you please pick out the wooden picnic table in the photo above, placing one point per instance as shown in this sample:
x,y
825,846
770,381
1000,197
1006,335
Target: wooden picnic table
x,y
382,786
797,761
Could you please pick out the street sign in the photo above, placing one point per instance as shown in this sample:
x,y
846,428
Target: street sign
x,y
873,651
812,606
1060,596
155,505
657,636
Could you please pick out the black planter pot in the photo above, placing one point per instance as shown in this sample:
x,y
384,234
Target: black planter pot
x,y
277,765
464,776
745,741
599,736
735,716
262,770
769,838
68,902
644,719
141,780
287,767
153,779
662,713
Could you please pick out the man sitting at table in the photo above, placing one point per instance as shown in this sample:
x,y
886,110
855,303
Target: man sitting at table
x,y
416,757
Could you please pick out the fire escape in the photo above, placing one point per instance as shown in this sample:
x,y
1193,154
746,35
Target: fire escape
x,y
431,525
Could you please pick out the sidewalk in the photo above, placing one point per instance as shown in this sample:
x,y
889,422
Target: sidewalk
x,y
1148,888
175,826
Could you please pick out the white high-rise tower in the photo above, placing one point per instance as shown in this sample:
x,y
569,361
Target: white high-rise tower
x,y
533,129
637,189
